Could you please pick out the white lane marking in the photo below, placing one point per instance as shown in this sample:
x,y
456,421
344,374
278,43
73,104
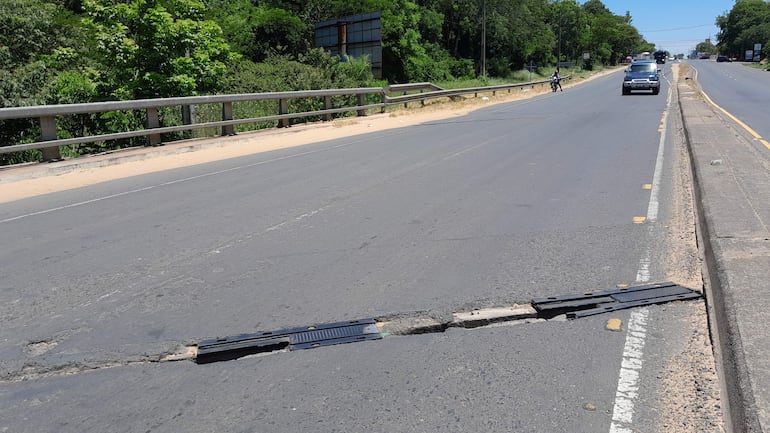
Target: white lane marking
x,y
643,274
297,218
631,366
652,208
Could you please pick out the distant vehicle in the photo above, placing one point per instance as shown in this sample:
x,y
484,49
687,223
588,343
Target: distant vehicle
x,y
721,59
642,75
660,56
644,56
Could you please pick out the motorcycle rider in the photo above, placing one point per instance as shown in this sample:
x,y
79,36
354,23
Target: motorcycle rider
x,y
556,80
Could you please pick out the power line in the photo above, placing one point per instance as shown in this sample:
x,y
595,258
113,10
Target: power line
x,y
677,28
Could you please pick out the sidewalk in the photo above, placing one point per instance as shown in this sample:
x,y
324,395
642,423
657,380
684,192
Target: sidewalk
x,y
732,187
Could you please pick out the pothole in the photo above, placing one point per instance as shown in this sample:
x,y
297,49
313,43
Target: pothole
x,y
38,348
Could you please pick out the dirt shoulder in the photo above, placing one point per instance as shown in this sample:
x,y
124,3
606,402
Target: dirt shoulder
x,y
29,180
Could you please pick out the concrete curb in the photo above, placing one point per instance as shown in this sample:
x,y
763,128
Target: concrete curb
x,y
732,186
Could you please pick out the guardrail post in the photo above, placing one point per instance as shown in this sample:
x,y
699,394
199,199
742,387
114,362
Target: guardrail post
x,y
48,133
327,106
422,101
188,115
361,103
406,104
227,114
384,100
153,122
283,108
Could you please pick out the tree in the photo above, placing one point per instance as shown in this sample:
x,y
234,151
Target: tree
x,y
612,36
572,26
156,48
706,47
38,40
596,7
33,28
258,31
747,23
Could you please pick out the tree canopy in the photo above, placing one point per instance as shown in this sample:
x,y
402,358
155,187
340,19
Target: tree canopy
x,y
156,48
149,48
746,24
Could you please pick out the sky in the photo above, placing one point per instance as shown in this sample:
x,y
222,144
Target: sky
x,y
673,25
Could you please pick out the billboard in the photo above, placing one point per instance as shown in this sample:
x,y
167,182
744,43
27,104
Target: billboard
x,y
353,36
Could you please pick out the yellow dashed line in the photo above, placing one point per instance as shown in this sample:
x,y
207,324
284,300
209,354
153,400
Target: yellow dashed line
x,y
647,186
662,125
639,219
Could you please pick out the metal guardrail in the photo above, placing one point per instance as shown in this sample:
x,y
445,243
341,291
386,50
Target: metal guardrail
x,y
439,93
50,143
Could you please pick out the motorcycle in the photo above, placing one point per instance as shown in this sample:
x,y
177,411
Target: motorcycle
x,y
555,83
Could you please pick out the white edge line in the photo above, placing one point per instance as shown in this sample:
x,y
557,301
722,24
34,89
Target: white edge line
x,y
652,208
633,350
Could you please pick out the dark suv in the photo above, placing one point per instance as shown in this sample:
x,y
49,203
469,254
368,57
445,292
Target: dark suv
x,y
642,75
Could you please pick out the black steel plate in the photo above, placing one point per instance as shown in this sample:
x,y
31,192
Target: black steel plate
x,y
586,304
221,349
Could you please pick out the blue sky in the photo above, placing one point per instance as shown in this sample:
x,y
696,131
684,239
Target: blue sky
x,y
673,25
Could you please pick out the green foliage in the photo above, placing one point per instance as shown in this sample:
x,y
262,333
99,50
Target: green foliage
x,y
314,70
747,23
258,31
276,31
706,47
612,37
596,8
70,87
38,41
156,48
30,28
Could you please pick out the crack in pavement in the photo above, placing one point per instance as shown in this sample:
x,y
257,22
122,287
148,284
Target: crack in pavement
x,y
38,370
401,324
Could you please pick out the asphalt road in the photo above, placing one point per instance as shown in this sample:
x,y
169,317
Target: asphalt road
x,y
740,90
514,201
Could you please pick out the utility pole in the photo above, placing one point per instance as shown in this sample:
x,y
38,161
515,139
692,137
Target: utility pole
x,y
558,48
484,38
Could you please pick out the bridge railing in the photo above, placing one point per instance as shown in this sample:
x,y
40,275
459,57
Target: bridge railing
x,y
50,143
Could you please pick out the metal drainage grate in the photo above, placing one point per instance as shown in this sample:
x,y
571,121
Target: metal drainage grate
x,y
588,304
238,346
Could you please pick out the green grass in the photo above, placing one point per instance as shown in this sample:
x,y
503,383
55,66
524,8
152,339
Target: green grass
x,y
765,66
